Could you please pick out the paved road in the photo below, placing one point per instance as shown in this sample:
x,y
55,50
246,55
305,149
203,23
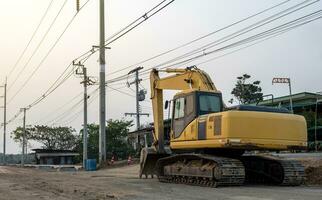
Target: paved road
x,y
122,183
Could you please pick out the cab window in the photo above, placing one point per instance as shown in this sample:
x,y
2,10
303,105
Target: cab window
x,y
179,108
209,104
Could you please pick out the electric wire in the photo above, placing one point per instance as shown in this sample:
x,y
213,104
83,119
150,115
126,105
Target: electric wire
x,y
260,36
120,91
85,56
37,47
243,31
49,91
199,38
52,88
32,37
69,110
188,60
240,32
275,35
59,108
38,100
76,115
254,37
271,33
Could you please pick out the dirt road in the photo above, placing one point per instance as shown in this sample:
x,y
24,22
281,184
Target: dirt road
x,y
122,183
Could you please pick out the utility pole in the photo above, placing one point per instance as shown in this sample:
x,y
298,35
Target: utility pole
x,y
4,121
140,96
23,138
85,118
82,70
102,103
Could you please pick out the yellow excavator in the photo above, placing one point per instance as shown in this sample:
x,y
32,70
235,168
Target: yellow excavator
x,y
207,141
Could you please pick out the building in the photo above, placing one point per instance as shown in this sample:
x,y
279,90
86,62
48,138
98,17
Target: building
x,y
55,157
307,104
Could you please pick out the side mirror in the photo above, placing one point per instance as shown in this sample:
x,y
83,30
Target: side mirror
x,y
166,104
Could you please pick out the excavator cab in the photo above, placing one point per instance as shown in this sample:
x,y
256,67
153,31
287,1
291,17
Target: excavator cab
x,y
189,105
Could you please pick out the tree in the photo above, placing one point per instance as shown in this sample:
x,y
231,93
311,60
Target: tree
x,y
55,138
116,140
245,92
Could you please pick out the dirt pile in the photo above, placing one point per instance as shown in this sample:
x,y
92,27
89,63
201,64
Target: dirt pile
x,y
313,171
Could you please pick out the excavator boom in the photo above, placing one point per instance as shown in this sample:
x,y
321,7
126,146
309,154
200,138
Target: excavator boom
x,y
183,79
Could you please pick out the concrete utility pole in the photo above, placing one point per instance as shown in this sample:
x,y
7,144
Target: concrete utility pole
x,y
23,138
139,98
85,81
4,121
81,70
102,103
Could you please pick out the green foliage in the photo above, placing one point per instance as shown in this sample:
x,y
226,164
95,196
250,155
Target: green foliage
x,y
117,132
245,92
50,137
116,140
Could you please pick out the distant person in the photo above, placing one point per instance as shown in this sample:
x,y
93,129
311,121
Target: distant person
x,y
129,160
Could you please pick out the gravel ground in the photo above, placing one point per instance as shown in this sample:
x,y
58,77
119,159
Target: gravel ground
x,y
122,183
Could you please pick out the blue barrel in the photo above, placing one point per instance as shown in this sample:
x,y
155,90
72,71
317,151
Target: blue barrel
x,y
91,165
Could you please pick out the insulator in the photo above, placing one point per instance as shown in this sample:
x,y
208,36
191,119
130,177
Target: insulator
x,y
77,5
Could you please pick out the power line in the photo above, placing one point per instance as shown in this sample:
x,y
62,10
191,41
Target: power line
x,y
220,49
49,91
85,56
38,46
32,37
231,36
275,35
52,87
120,91
59,108
69,111
285,27
254,37
281,28
76,115
243,31
144,16
199,38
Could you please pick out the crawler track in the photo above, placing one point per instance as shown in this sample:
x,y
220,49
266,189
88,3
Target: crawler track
x,y
213,171
202,170
273,170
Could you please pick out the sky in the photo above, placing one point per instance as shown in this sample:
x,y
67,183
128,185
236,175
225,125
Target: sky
x,y
296,54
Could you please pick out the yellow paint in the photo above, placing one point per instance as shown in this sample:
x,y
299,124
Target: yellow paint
x,y
245,129
238,129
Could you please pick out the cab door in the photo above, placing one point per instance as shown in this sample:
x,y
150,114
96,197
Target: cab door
x,y
184,112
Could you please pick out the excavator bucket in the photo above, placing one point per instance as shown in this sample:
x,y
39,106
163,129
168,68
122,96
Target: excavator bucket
x,y
148,160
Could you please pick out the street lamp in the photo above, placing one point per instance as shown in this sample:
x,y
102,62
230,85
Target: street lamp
x,y
285,80
316,119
